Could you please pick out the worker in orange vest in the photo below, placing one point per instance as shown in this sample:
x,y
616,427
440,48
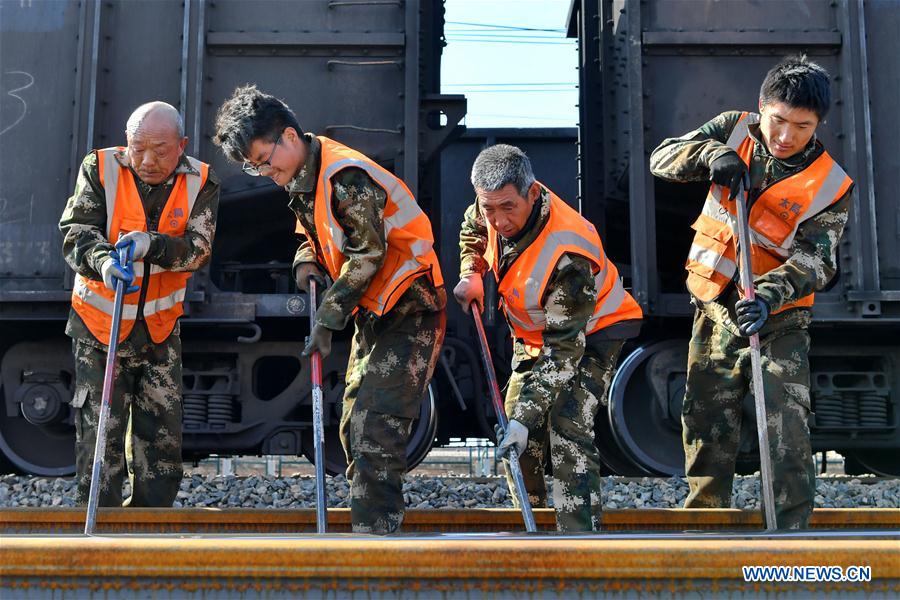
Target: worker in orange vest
x,y
163,203
361,227
799,202
569,315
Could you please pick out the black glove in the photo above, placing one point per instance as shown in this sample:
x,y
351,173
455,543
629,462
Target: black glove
x,y
319,339
304,271
751,315
728,170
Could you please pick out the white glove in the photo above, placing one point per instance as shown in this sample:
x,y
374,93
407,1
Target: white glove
x,y
515,437
140,242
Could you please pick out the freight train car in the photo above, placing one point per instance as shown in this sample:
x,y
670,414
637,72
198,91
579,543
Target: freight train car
x,y
363,72
655,69
367,73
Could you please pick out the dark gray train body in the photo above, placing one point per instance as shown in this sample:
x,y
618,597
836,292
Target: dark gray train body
x,y
367,73
656,69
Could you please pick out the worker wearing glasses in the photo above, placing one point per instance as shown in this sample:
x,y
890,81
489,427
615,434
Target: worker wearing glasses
x,y
362,227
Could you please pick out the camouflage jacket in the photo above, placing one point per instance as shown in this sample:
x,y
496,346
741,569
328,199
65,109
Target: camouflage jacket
x,y
83,227
358,206
813,260
568,305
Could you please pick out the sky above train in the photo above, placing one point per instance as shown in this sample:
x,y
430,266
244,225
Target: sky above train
x,y
512,60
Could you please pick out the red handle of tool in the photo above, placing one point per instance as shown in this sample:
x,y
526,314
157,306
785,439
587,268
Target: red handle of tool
x,y
315,360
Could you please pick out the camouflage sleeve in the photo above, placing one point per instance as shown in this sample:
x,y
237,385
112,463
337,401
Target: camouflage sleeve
x,y
83,222
570,299
472,242
813,259
191,251
687,158
304,254
359,209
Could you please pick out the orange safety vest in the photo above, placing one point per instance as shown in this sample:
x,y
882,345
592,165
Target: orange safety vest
x,y
92,300
774,219
407,230
522,287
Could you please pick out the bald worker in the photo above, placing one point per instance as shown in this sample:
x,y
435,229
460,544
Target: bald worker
x,y
153,198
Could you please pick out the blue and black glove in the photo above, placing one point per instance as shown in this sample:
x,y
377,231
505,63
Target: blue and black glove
x,y
751,315
113,271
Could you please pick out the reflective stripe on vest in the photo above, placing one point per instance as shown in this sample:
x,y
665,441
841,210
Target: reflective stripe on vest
x,y
524,284
125,212
616,300
409,251
774,220
129,311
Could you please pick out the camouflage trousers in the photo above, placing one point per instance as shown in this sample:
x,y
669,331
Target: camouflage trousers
x,y
568,431
144,425
718,379
392,359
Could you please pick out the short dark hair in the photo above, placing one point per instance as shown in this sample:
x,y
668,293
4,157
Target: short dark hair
x,y
251,115
799,83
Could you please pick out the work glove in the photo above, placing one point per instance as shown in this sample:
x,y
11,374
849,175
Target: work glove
x,y
139,242
516,437
470,289
319,340
112,271
751,315
304,271
729,170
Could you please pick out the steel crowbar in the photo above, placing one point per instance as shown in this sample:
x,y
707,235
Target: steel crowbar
x,y
759,400
514,467
106,398
315,361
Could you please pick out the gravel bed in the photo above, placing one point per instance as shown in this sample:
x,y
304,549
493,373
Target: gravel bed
x,y
259,491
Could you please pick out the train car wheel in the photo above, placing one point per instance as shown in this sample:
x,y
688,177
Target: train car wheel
x,y
420,441
873,461
36,435
645,407
614,461
423,430
46,451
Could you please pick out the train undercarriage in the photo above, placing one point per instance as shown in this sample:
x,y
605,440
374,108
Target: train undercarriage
x,y
251,395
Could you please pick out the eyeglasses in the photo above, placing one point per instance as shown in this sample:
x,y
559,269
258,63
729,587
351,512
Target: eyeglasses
x,y
257,170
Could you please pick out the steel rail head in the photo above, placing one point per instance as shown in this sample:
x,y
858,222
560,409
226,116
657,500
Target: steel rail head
x,y
759,400
106,400
515,468
302,521
318,427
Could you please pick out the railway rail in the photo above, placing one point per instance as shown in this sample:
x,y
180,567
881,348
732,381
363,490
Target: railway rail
x,y
445,553
295,521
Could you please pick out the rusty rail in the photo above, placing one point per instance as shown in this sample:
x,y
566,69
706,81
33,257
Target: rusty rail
x,y
292,521
428,566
